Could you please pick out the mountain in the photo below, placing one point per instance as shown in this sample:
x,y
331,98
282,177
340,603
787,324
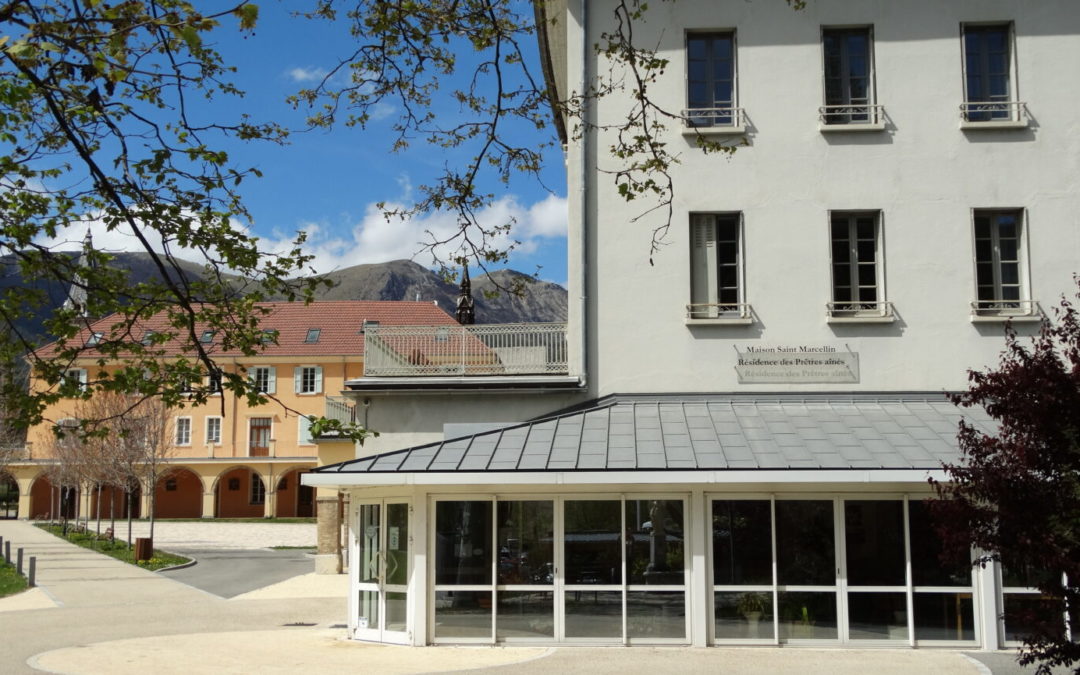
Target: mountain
x,y
539,301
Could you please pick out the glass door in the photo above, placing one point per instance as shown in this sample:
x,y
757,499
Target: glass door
x,y
382,572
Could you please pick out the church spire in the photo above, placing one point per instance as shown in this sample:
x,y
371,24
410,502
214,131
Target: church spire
x,y
466,310
76,298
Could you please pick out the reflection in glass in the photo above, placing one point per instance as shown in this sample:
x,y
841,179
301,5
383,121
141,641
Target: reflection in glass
x,y
656,614
742,542
744,616
874,534
368,540
805,616
397,544
525,614
654,542
463,614
804,543
463,542
525,543
927,567
592,542
877,616
944,616
397,611
593,614
1028,614
369,610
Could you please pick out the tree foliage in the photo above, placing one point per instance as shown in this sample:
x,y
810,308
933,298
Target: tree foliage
x,y
1015,496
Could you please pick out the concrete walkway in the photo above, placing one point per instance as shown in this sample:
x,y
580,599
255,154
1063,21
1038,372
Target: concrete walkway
x,y
93,614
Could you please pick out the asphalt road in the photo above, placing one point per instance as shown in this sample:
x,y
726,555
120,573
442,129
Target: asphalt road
x,y
228,573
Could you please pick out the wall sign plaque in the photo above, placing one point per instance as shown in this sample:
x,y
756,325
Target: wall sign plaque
x,y
796,364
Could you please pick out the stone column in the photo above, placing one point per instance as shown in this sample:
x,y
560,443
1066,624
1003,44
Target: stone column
x,y
208,505
328,534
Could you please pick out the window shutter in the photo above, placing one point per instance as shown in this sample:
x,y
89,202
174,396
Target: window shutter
x,y
703,276
271,384
303,424
298,379
318,379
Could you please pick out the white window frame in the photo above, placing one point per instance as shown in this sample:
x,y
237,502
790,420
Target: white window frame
x,y
214,380
1000,308
1015,110
305,386
78,375
858,310
182,434
838,116
257,490
705,306
270,386
728,119
209,439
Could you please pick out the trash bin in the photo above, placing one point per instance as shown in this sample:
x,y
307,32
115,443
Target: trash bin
x,y
144,548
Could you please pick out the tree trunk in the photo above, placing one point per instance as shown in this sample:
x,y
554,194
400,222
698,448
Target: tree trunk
x,y
99,509
130,508
153,503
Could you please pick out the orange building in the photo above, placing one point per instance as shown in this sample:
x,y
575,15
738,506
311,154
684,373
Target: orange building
x,y
229,459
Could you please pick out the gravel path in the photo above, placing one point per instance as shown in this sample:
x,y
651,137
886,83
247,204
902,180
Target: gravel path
x,y
214,535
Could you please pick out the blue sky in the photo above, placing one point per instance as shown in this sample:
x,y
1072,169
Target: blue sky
x,y
327,183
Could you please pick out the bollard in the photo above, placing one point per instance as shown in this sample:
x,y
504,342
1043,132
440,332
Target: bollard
x,y
18,566
7,552
33,569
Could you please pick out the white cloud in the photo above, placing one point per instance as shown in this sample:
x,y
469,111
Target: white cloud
x,y
301,74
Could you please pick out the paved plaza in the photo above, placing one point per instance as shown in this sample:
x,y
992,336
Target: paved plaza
x,y
93,614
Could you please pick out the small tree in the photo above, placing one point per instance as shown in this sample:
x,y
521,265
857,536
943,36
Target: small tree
x,y
1015,495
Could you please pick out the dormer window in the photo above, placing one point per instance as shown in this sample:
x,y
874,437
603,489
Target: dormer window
x,y
94,339
207,337
372,326
312,335
148,338
268,336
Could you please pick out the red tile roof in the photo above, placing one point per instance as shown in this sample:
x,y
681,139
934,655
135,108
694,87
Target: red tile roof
x,y
339,322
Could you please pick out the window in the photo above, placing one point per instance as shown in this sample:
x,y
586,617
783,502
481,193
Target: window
x,y
264,378
313,335
213,382
856,272
303,426
258,490
75,378
998,257
849,77
207,337
148,338
307,379
183,431
94,339
988,87
213,430
269,336
710,81
369,326
716,267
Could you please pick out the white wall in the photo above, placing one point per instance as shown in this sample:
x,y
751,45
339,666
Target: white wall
x,y
923,173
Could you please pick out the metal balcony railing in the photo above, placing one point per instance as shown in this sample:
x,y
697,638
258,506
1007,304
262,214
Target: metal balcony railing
x,y
713,118
490,349
993,111
15,452
341,409
838,310
713,310
851,113
1005,308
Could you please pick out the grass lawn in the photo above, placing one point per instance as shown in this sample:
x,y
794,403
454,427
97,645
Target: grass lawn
x,y
117,548
11,582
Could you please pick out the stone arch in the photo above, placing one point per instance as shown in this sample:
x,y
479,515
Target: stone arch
x,y
114,503
178,494
293,500
9,496
236,496
48,501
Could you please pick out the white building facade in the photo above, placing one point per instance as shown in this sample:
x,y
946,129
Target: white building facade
x,y
758,412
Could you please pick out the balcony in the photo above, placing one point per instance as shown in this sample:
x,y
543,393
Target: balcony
x,y
993,115
708,121
706,313
1006,310
465,351
859,312
851,117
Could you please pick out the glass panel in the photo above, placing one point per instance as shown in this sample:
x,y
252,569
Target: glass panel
x,y
807,615
744,616
944,616
656,614
463,543
592,542
397,544
842,275
874,534
866,250
463,614
742,542
654,546
927,568
525,542
368,569
397,611
1029,614
593,614
867,275
804,543
369,611
877,616
525,614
